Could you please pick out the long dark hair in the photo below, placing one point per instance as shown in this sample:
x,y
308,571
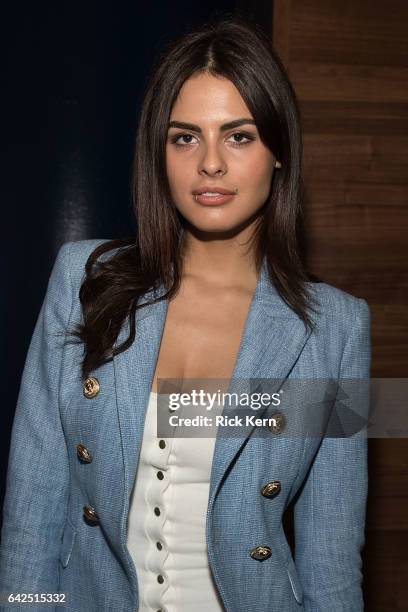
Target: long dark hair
x,y
112,288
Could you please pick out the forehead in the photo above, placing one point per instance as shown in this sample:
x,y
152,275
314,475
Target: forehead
x,y
205,98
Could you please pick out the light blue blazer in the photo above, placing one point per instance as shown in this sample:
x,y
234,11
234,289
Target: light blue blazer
x,y
48,547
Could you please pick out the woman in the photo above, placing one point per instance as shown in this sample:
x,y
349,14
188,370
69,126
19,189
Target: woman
x,y
213,287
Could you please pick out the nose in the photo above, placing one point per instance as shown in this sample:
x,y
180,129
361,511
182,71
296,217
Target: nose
x,y
212,162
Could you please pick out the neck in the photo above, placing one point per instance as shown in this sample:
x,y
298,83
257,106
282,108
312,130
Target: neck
x,y
220,258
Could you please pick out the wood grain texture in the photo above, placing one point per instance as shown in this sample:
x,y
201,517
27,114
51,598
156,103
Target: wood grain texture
x,y
348,62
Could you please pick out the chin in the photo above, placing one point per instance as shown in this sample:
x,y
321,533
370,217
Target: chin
x,y
215,226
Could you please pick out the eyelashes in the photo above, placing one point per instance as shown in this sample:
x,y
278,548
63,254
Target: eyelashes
x,y
176,137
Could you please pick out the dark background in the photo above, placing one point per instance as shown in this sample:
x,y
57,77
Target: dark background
x,y
73,80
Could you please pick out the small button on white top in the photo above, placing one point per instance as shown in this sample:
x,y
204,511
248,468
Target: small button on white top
x,y
164,532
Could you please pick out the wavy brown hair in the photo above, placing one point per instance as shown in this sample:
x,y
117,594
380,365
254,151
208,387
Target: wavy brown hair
x,y
112,288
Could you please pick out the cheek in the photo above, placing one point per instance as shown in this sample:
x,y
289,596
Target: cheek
x,y
176,173
258,173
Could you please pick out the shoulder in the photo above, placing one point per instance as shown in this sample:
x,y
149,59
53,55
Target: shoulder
x,y
334,304
74,255
343,328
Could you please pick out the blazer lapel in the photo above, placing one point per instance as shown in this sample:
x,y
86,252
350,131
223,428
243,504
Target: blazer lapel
x,y
272,339
134,369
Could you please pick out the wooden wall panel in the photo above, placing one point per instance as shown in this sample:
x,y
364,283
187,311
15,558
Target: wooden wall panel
x,y
348,62
364,32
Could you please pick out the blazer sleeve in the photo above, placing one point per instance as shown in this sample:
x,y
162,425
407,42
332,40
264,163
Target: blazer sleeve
x,y
329,514
37,482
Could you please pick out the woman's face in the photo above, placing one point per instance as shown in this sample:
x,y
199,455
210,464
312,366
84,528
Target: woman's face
x,y
204,153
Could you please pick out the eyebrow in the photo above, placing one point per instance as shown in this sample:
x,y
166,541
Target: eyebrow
x,y
196,128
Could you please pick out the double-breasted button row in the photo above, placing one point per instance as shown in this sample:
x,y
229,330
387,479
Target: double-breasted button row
x,y
91,387
270,490
90,514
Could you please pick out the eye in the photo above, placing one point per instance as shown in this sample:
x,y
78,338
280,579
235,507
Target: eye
x,y
185,139
175,139
238,143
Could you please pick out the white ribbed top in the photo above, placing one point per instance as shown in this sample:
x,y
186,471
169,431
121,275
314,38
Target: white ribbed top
x,y
171,545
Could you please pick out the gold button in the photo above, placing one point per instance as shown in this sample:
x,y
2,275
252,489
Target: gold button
x,y
91,514
91,387
260,553
83,453
277,422
270,489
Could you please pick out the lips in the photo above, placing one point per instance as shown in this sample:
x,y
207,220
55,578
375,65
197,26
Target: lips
x,y
211,198
208,189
